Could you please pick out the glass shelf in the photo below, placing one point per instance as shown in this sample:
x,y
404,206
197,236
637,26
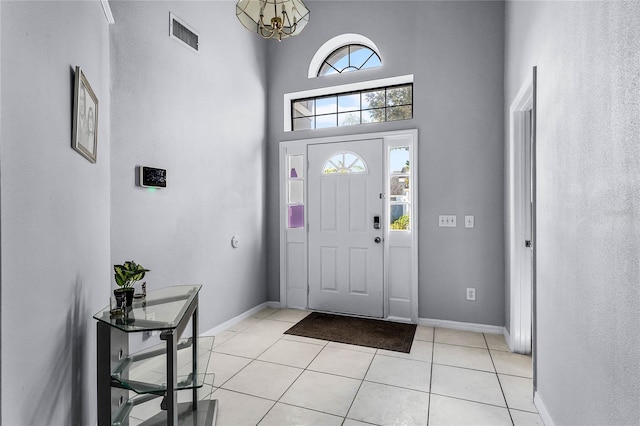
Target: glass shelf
x,y
161,309
160,371
144,372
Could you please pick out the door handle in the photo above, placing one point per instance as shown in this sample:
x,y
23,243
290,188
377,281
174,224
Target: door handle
x,y
377,240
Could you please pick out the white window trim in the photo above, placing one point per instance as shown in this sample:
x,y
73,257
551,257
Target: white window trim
x,y
335,43
352,87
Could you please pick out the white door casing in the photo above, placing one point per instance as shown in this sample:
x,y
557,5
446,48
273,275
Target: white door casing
x,y
345,249
400,248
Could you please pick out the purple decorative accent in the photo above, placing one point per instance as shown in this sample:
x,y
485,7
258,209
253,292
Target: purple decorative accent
x,y
293,173
296,216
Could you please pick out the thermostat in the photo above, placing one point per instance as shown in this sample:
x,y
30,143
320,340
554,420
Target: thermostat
x,y
151,177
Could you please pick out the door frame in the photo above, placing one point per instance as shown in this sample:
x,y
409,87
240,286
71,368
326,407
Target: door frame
x,y
521,288
399,305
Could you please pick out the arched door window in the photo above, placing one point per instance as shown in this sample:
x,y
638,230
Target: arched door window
x,y
344,162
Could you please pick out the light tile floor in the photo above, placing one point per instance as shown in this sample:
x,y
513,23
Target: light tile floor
x,y
261,376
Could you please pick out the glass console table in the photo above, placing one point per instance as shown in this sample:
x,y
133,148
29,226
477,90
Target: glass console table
x,y
168,312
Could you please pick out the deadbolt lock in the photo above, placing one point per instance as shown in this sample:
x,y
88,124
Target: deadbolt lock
x,y
376,222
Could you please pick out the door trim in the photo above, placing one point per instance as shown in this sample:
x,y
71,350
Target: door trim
x,y
521,289
289,298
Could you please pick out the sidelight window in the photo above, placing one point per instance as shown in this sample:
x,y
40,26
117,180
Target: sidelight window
x,y
399,188
295,191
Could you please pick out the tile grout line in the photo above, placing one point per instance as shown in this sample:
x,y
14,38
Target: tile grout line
x,y
433,348
289,387
256,359
360,386
248,364
474,401
499,382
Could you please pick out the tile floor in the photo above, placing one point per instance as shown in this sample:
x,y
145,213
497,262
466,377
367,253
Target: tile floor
x,y
262,377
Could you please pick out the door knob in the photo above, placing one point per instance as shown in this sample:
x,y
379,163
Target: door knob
x,y
377,240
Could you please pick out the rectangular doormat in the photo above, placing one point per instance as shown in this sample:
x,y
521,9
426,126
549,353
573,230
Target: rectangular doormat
x,y
372,333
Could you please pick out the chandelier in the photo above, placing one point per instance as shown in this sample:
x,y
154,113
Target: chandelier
x,y
273,18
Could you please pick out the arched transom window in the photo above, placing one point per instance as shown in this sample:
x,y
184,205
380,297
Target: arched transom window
x,y
344,53
344,162
352,57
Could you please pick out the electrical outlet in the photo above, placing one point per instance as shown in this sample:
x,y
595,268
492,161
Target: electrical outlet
x,y
447,220
151,316
471,294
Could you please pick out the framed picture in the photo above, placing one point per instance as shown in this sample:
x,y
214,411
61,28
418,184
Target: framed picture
x,y
85,118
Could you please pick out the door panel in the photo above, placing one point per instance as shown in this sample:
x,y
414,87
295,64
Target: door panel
x,y
345,261
328,268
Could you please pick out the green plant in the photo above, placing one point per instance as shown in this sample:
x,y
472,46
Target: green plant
x,y
402,223
128,273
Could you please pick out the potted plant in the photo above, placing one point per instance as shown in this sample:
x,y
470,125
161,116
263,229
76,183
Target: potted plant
x,y
126,275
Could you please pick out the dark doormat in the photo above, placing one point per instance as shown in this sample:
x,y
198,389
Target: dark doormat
x,y
372,333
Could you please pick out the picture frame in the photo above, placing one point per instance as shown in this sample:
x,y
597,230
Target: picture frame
x,y
85,118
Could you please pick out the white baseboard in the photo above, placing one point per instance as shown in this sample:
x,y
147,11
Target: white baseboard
x,y
466,326
399,319
233,321
542,410
507,338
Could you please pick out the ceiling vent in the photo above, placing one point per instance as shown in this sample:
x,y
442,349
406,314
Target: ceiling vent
x,y
183,33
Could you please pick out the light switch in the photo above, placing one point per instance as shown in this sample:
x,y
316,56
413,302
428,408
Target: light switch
x,y
469,222
447,220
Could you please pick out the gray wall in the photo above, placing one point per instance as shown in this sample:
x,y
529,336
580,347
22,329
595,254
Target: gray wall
x,y
588,211
60,230
54,212
455,51
201,117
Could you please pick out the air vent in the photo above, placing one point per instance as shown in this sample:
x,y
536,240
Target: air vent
x,y
183,33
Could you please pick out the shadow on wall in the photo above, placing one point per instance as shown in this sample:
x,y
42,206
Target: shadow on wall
x,y
67,371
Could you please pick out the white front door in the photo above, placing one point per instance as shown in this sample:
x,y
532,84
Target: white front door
x,y
346,227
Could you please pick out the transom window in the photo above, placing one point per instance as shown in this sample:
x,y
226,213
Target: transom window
x,y
352,57
344,162
382,104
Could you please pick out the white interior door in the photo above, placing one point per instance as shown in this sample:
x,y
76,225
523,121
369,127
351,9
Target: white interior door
x,y
345,184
